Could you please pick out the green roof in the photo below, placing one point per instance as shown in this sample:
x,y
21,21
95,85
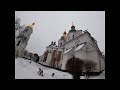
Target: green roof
x,y
72,29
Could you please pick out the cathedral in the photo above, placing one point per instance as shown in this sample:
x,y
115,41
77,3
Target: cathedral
x,y
75,43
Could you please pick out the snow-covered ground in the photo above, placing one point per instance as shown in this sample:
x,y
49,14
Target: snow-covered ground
x,y
25,70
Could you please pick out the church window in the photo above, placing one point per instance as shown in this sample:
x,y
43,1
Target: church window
x,y
23,34
18,43
68,37
73,36
26,29
61,45
77,45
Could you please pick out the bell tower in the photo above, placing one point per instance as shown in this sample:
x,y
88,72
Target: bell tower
x,y
22,40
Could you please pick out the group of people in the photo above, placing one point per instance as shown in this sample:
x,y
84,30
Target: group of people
x,y
40,72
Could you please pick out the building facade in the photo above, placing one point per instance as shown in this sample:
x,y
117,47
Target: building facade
x,y
21,40
76,43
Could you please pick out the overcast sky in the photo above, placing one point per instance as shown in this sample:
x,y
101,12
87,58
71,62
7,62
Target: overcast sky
x,y
50,25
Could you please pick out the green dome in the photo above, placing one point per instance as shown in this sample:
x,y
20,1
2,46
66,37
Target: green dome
x,y
72,29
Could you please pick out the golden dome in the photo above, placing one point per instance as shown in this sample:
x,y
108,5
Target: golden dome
x,y
65,35
30,26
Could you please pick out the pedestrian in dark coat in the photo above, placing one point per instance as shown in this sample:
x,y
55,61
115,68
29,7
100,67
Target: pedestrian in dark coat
x,y
53,74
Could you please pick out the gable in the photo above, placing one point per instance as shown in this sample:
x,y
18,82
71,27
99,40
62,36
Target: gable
x,y
88,47
80,47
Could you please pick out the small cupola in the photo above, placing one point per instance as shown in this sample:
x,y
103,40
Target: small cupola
x,y
72,28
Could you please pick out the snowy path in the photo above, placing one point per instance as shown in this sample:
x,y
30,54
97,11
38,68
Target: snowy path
x,y
25,70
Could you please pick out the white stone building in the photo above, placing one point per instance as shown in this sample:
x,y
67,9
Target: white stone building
x,y
21,41
76,43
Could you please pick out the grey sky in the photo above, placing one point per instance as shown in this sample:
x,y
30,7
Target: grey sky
x,y
50,25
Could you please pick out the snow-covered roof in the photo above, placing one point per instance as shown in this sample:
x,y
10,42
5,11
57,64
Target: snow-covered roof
x,y
67,50
79,47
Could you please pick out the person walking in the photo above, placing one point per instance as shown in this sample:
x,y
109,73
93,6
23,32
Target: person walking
x,y
53,74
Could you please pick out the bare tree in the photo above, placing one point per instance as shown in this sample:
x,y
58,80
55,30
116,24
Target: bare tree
x,y
18,27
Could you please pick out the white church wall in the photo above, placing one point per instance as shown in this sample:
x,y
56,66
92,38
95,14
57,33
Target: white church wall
x,y
66,57
64,61
61,43
81,39
80,54
90,53
78,32
102,63
70,35
95,57
49,58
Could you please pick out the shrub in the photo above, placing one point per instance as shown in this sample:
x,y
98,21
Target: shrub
x,y
89,65
75,67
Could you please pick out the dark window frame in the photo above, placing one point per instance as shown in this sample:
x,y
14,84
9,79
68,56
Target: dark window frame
x,y
26,30
18,43
73,36
60,44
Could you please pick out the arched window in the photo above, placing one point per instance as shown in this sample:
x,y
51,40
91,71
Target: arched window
x,y
26,30
73,36
77,45
18,43
68,37
61,45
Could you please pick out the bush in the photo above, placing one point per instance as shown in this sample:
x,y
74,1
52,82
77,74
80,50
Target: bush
x,y
89,65
36,57
75,67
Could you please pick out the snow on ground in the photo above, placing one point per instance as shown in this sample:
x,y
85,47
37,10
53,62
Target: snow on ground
x,y
25,70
